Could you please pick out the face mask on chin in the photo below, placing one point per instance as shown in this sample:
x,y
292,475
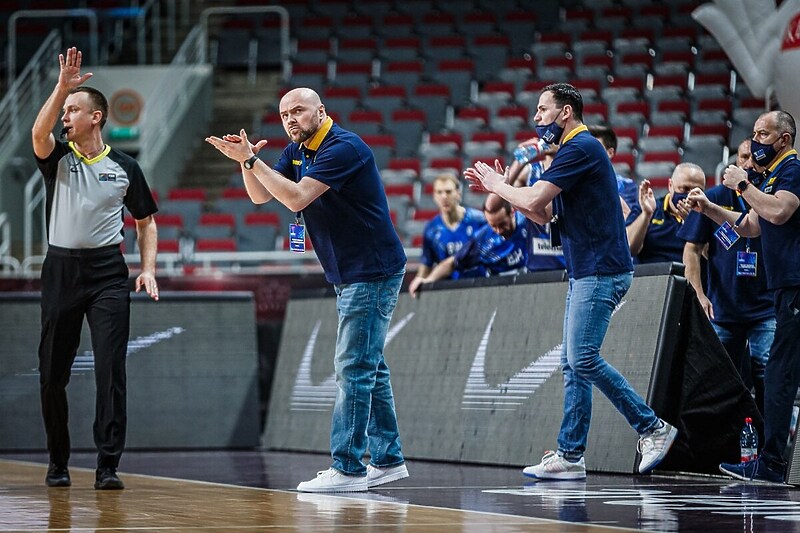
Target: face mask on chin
x,y
550,133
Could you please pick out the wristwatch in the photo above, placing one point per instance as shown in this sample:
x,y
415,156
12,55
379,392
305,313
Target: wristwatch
x,y
741,186
250,162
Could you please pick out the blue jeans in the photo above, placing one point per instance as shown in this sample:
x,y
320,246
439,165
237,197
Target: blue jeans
x,y
364,413
757,336
590,303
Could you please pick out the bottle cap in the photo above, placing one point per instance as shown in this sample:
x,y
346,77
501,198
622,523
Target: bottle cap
x,y
748,420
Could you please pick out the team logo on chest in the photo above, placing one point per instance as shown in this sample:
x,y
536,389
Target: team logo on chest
x,y
107,176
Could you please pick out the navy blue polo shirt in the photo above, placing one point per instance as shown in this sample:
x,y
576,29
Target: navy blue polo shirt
x,y
541,255
781,243
588,209
495,253
440,242
349,224
736,299
661,242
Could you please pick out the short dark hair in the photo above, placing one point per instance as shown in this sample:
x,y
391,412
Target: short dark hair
x,y
564,94
97,98
786,124
605,134
494,203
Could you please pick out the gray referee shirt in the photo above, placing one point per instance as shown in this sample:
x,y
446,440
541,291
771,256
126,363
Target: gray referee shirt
x,y
85,197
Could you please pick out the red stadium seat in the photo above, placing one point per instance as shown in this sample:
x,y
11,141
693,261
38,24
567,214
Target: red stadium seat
x,y
405,163
259,219
215,245
447,138
425,214
187,194
166,246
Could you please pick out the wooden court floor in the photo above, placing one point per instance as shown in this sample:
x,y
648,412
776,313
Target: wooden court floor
x,y
253,490
152,503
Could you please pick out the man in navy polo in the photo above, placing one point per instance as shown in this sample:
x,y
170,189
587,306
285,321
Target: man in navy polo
x,y
653,235
578,195
773,215
737,301
328,176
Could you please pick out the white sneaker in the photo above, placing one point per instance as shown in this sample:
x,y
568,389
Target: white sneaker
x,y
655,445
378,476
331,480
554,466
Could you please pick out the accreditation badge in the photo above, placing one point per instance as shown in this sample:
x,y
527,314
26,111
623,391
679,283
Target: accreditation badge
x,y
746,264
726,235
297,237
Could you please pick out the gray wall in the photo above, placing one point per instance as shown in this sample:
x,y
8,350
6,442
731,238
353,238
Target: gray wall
x,y
192,377
458,401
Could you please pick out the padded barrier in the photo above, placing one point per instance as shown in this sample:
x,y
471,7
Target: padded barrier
x,y
476,373
192,377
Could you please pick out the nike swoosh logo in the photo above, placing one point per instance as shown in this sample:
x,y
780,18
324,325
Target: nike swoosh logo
x,y
508,396
307,396
84,362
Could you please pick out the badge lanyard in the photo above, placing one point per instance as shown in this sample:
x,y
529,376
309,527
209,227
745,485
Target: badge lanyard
x,y
746,261
297,231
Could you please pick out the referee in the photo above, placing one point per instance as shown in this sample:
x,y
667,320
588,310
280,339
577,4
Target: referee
x,y
84,273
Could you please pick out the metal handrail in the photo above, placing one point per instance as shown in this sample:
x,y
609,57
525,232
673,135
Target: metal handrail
x,y
48,13
175,263
171,90
25,94
5,235
34,197
11,262
239,10
141,31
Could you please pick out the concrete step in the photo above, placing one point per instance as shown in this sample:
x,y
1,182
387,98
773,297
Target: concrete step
x,y
237,104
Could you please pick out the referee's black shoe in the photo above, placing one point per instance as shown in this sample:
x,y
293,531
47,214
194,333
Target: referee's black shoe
x,y
106,479
57,476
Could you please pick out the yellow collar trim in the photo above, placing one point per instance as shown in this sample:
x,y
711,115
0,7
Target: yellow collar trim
x,y
573,133
774,165
84,159
316,139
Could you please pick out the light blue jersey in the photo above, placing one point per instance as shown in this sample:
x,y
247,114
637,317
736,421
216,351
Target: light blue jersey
x,y
440,242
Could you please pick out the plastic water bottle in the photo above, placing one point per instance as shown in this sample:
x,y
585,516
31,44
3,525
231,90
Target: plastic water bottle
x,y
526,154
748,441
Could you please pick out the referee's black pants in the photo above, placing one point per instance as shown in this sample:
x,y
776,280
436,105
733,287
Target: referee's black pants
x,y
91,283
